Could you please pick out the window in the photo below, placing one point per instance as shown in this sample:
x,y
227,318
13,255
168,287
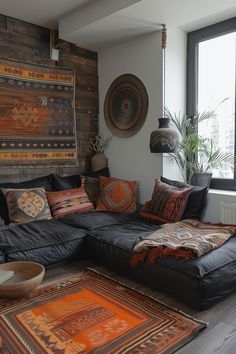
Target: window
x,y
211,75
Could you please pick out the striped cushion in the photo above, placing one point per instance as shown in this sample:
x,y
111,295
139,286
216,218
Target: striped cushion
x,y
68,202
117,195
167,204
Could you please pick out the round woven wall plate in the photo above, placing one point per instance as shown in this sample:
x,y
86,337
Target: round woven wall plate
x,y
126,105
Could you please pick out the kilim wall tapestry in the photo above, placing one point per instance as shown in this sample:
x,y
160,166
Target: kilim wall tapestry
x,y
37,124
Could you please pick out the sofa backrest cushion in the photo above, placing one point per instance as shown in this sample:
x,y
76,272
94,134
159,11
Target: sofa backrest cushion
x,y
61,183
105,172
196,200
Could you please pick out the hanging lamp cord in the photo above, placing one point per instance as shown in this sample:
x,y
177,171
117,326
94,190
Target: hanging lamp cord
x,y
163,46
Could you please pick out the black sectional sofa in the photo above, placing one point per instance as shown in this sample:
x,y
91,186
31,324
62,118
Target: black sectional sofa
x,y
108,238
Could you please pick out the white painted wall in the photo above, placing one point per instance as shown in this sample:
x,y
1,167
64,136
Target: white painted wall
x,y
175,90
130,158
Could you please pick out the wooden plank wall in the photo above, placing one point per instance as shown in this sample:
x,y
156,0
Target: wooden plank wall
x,y
30,43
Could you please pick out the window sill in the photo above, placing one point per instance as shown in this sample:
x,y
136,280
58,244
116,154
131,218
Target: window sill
x,y
222,192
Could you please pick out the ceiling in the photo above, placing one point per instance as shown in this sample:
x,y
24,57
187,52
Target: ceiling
x,y
97,24
44,13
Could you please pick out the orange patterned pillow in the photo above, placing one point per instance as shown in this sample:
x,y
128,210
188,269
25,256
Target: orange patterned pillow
x,y
69,201
117,195
167,203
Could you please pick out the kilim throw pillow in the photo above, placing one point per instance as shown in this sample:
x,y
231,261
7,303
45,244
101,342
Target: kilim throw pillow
x,y
117,195
26,205
68,202
167,204
196,200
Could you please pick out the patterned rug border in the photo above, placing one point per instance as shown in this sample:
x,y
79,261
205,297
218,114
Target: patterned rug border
x,y
205,323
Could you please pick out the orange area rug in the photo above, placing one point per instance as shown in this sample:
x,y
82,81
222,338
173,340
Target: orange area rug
x,y
92,314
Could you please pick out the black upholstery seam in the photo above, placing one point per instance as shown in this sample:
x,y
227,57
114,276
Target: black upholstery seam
x,y
35,248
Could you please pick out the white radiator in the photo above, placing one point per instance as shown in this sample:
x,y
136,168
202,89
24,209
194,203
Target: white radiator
x,y
227,213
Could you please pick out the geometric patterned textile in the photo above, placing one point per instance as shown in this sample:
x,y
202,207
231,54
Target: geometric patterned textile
x,y
68,202
36,115
117,195
92,314
167,203
27,205
184,239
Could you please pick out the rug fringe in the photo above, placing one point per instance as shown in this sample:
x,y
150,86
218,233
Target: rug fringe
x,y
150,297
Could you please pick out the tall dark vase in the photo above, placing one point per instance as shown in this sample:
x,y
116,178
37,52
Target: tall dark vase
x,y
164,139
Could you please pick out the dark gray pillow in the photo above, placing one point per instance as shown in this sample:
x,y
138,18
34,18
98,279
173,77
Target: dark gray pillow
x,y
61,183
92,188
196,200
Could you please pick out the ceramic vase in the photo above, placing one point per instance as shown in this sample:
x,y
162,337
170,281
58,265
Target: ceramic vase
x,y
164,139
99,161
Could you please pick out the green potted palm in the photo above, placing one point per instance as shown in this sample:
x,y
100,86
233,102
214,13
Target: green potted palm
x,y
196,156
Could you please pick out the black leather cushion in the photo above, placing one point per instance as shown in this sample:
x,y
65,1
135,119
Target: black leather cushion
x,y
96,219
61,183
103,172
2,259
34,183
46,242
196,200
199,282
124,235
3,225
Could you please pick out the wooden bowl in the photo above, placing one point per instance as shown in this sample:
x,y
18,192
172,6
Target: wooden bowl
x,y
27,276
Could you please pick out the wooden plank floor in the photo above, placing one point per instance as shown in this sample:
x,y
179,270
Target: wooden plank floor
x,y
218,338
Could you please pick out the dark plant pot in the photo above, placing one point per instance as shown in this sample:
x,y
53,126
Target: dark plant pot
x,y
202,179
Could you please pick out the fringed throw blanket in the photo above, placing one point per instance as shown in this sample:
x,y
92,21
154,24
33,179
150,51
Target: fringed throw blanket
x,y
184,239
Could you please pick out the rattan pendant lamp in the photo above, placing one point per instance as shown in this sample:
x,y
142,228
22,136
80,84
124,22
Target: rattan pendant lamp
x,y
164,139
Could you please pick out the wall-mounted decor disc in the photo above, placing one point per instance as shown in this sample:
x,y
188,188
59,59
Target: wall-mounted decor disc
x,y
126,105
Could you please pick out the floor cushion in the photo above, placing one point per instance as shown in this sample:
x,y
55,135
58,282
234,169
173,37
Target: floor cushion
x,y
46,242
199,282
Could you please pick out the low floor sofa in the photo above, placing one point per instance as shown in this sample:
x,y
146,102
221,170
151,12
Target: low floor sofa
x,y
109,238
